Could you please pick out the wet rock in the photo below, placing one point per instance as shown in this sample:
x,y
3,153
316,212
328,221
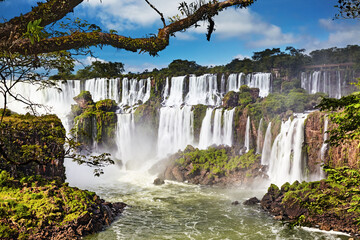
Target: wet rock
x,y
235,203
252,201
159,181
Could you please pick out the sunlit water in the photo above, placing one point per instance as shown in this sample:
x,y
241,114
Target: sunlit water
x,y
182,211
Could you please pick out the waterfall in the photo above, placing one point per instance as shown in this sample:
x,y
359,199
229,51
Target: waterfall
x,y
266,151
175,129
203,90
135,91
261,81
330,82
286,154
175,97
205,131
247,135
324,147
259,137
125,128
228,119
220,133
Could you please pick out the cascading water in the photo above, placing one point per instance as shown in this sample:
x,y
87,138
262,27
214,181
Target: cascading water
x,y
324,147
259,137
286,154
323,81
124,137
135,91
217,134
261,81
247,135
175,129
203,90
266,151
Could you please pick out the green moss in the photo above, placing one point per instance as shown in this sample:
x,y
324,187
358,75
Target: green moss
x,y
32,208
106,105
217,161
337,196
199,112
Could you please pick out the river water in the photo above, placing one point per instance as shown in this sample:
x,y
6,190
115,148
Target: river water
x,y
182,211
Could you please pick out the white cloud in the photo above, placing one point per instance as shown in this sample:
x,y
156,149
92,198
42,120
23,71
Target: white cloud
x,y
340,34
142,67
247,25
87,61
241,57
230,23
130,14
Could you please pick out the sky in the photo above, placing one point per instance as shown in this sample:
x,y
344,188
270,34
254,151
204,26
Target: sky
x,y
307,24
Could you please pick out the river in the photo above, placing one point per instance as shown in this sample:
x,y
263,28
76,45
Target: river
x,y
182,211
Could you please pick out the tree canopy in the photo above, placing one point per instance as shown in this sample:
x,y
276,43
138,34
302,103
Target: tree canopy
x,y
27,34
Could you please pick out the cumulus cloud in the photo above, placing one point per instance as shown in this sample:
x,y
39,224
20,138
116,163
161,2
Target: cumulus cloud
x,y
247,25
87,61
340,34
142,67
231,23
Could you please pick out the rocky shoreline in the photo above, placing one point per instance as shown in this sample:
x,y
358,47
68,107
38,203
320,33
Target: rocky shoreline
x,y
97,218
329,204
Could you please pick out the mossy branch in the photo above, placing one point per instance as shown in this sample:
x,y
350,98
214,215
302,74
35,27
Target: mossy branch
x,y
57,9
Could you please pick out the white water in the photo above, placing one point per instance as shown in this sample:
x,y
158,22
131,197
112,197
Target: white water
x,y
175,129
247,135
266,151
203,90
213,132
135,91
286,154
261,81
324,147
124,137
259,137
175,97
323,81
256,80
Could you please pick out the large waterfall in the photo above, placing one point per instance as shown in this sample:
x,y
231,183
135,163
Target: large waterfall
x,y
216,135
266,151
335,83
256,80
285,163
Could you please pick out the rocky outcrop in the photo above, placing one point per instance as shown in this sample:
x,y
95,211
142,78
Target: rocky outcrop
x,y
32,145
327,204
94,123
215,166
99,216
335,156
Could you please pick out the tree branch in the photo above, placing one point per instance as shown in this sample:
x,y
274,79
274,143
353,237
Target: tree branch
x,y
161,15
152,44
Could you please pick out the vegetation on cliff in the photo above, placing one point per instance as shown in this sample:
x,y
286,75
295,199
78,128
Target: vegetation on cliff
x,y
332,203
34,208
94,122
215,165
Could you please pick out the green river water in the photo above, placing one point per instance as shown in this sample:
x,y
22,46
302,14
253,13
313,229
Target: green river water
x,y
184,211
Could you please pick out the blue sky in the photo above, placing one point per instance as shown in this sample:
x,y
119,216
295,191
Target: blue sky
x,y
305,24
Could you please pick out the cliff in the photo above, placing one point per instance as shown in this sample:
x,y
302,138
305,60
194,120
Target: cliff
x,y
334,156
32,145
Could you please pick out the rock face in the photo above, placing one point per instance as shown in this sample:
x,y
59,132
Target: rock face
x,y
98,216
94,122
328,204
32,145
215,166
342,155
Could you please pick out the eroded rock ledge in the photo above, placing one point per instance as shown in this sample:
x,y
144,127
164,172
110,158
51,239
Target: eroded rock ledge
x,y
215,166
329,204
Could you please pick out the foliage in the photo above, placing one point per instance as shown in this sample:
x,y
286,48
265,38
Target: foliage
x,y
51,11
345,113
349,9
35,203
217,161
337,196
